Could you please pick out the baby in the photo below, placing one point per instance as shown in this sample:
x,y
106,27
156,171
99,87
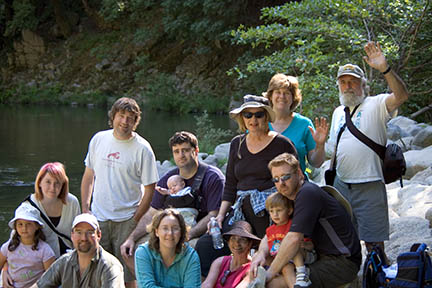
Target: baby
x,y
180,198
281,210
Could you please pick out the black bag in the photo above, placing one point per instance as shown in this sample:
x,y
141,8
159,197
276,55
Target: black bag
x,y
394,165
329,176
373,273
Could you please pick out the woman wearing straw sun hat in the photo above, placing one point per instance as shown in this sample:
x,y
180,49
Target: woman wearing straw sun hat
x,y
248,180
232,270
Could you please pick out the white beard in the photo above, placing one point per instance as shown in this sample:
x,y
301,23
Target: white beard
x,y
350,99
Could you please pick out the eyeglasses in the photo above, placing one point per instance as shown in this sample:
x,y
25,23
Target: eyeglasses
x,y
283,178
224,277
249,115
172,230
88,233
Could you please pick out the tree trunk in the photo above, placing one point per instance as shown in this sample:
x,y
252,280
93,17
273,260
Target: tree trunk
x,y
61,19
98,19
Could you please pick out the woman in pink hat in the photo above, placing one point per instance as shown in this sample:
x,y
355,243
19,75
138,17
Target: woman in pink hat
x,y
232,270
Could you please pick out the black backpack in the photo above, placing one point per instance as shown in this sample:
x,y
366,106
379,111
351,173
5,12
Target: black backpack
x,y
373,274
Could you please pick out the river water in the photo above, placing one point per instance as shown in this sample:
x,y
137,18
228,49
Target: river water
x,y
33,135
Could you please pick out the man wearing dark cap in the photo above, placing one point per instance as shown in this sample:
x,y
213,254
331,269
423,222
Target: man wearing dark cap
x,y
359,174
89,265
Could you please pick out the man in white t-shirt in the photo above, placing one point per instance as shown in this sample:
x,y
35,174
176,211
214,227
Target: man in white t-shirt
x,y
359,175
120,175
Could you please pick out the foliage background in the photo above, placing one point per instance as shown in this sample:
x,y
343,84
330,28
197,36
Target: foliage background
x,y
247,42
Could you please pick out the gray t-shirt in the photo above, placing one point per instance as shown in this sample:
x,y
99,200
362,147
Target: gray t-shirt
x,y
104,271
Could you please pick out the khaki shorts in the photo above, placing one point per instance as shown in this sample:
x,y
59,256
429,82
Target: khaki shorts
x,y
113,236
369,205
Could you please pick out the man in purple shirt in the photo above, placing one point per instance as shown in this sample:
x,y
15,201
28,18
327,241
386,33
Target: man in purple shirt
x,y
184,146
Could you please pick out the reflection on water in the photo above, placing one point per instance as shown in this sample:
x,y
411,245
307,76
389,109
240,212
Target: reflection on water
x,y
32,136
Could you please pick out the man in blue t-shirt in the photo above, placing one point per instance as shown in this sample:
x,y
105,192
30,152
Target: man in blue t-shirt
x,y
184,146
319,216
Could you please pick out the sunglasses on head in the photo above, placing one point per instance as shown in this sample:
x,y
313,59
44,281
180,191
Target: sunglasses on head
x,y
283,178
224,277
249,115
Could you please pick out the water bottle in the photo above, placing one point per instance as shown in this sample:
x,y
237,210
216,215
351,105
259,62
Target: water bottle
x,y
216,234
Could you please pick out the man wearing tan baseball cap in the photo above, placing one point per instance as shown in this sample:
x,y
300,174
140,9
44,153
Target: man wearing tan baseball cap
x,y
359,175
88,265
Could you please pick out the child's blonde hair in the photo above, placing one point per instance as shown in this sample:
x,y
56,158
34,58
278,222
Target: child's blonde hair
x,y
278,200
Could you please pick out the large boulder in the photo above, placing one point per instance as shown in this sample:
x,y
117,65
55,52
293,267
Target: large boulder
x,y
404,232
404,123
424,137
417,160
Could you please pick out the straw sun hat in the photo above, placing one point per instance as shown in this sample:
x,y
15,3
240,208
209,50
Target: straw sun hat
x,y
243,229
252,101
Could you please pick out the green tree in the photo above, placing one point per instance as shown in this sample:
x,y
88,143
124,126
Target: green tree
x,y
310,39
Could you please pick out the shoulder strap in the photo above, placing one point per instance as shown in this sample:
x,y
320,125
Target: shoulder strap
x,y
46,219
379,149
202,168
199,176
333,161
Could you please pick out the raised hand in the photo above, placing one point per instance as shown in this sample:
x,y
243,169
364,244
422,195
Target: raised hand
x,y
321,131
375,58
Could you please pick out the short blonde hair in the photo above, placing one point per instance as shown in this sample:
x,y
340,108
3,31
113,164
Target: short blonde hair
x,y
56,170
282,81
278,200
284,159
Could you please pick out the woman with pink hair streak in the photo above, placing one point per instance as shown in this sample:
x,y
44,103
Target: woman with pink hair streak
x,y
53,199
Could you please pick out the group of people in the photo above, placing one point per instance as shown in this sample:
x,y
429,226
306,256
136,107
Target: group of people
x,y
137,229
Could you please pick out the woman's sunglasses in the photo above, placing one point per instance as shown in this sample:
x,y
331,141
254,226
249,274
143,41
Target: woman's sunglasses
x,y
249,115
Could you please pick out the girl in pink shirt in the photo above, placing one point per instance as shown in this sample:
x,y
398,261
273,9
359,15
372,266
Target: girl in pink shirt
x,y
26,253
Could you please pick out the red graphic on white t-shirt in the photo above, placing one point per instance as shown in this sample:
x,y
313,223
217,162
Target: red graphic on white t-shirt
x,y
115,155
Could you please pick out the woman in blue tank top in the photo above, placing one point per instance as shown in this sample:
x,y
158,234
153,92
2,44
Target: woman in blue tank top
x,y
285,96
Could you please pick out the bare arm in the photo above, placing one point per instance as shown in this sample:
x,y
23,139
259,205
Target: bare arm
x,y
48,263
317,156
289,248
376,59
224,208
87,189
259,259
213,274
6,278
145,201
201,227
127,248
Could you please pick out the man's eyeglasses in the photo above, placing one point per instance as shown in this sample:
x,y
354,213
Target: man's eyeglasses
x,y
89,233
249,115
224,277
283,178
